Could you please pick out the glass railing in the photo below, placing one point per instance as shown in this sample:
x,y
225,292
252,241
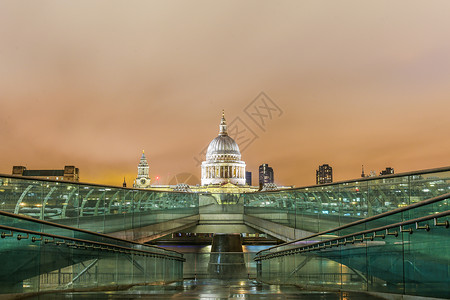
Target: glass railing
x,y
425,208
40,256
406,251
93,207
323,207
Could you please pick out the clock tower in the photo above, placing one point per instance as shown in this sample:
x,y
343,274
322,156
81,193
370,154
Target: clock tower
x,y
143,180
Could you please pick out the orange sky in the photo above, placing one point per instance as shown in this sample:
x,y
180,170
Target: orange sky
x,y
92,83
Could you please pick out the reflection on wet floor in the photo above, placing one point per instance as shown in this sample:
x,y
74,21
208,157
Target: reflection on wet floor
x,y
210,289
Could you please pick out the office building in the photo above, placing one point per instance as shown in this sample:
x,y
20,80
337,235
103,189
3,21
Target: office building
x,y
248,178
69,173
387,171
324,174
265,175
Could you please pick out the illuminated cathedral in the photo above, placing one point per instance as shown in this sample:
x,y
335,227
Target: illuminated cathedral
x,y
223,160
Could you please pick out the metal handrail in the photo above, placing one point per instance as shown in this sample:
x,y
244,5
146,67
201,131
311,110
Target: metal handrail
x,y
31,178
27,218
420,172
329,242
362,221
93,244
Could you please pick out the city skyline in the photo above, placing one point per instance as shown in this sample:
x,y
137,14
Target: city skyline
x,y
354,84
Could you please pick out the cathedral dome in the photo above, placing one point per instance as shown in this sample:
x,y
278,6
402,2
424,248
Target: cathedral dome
x,y
223,147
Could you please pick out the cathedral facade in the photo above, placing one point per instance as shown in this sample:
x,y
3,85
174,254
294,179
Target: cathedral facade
x,y
223,160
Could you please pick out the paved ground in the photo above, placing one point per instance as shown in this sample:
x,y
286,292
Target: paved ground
x,y
211,290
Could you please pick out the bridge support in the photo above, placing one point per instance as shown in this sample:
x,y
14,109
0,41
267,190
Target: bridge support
x,y
227,258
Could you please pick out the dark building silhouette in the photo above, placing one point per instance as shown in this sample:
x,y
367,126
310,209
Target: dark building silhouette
x,y
324,174
248,178
124,184
69,173
387,171
265,175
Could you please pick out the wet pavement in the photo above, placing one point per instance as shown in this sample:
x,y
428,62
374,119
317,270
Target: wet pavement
x,y
211,289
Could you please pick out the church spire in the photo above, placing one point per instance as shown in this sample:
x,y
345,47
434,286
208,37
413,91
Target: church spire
x,y
143,166
223,125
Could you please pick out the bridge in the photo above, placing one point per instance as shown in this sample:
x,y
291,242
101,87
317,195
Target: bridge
x,y
386,234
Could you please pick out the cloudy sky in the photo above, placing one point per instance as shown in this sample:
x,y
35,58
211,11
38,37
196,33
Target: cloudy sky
x,y
92,83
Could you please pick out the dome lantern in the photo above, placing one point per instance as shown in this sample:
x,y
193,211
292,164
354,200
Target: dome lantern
x,y
223,125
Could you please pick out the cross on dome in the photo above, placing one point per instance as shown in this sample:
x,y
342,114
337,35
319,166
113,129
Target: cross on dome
x,y
143,156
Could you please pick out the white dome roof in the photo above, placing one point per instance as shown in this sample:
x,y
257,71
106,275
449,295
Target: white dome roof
x,y
221,145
